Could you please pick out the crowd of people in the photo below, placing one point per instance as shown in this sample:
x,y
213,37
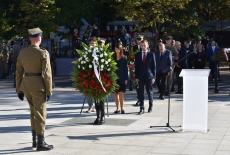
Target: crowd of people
x,y
8,56
161,66
34,77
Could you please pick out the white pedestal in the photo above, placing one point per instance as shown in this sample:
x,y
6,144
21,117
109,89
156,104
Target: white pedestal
x,y
195,99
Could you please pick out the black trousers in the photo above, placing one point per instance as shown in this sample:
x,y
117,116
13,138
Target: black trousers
x,y
212,66
161,82
148,84
179,81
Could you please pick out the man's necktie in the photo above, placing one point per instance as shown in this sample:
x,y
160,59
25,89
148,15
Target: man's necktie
x,y
161,56
144,57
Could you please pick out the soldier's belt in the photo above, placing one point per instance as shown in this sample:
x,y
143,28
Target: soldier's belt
x,y
33,74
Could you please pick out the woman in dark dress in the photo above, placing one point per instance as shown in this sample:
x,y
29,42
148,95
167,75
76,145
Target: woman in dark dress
x,y
122,74
200,57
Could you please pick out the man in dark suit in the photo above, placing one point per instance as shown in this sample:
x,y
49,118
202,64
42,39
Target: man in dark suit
x,y
164,67
212,50
145,74
190,58
95,32
179,65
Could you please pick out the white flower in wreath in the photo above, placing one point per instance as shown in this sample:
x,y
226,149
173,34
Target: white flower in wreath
x,y
108,69
106,62
79,66
82,62
102,66
105,54
102,69
101,55
89,50
109,60
102,60
83,68
101,49
90,66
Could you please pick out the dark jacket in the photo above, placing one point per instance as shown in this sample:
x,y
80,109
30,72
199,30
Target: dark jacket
x,y
211,53
202,57
182,62
164,63
135,48
145,70
190,58
95,33
122,71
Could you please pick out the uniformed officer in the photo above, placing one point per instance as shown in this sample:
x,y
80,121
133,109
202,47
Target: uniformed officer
x,y
34,79
14,55
136,47
4,58
101,42
169,46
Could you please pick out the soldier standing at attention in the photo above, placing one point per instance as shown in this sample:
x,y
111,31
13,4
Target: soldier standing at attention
x,y
34,79
14,55
170,47
4,58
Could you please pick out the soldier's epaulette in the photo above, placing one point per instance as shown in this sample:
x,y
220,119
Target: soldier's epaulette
x,y
42,48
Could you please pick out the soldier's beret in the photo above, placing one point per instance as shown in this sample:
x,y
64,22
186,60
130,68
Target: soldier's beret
x,y
168,38
35,32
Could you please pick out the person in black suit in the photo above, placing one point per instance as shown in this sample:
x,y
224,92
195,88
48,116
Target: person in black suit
x,y
179,65
200,57
189,49
145,74
164,67
95,32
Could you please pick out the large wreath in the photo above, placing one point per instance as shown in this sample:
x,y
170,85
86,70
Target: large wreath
x,y
94,72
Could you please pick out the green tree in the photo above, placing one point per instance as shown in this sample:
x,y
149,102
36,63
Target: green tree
x,y
150,13
37,13
70,12
9,10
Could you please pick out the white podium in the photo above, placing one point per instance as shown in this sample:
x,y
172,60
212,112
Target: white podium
x,y
195,99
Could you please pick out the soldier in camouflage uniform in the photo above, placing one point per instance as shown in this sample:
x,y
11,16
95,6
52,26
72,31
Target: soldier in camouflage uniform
x,y
4,57
14,55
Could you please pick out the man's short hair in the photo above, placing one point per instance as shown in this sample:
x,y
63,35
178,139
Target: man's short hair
x,y
177,42
161,45
144,41
92,39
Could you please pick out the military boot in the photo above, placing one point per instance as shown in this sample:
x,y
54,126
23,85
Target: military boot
x,y
102,109
42,145
34,139
97,107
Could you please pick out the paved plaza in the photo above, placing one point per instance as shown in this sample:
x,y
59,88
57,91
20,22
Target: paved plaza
x,y
73,133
